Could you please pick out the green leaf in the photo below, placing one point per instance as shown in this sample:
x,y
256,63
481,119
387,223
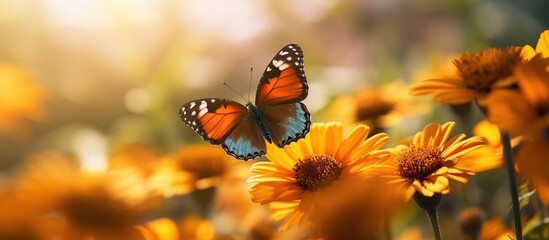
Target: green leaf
x,y
536,228
525,194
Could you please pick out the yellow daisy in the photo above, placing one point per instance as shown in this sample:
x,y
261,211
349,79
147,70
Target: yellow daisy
x,y
525,111
310,174
21,98
432,158
204,160
478,74
378,107
103,205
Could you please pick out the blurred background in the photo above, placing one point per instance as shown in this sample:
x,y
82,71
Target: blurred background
x,y
94,78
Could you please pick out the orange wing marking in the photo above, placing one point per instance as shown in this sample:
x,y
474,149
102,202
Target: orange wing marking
x,y
286,87
217,124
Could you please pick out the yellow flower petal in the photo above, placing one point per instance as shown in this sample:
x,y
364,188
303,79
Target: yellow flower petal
x,y
528,52
279,156
543,44
462,147
510,110
354,139
317,132
437,184
333,138
532,163
533,77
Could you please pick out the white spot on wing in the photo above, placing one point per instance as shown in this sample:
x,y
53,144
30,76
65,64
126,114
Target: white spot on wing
x,y
289,58
212,100
278,63
193,113
192,104
202,112
269,69
203,105
284,66
282,53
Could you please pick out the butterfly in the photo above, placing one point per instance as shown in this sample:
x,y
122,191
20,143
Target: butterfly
x,y
278,115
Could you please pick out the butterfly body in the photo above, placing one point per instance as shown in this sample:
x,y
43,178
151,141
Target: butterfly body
x,y
278,116
258,115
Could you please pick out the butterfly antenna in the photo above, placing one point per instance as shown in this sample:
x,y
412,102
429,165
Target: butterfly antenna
x,y
250,87
227,85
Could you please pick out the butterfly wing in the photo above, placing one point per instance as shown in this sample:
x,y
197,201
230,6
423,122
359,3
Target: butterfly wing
x,y
286,123
225,122
280,90
212,118
283,81
245,141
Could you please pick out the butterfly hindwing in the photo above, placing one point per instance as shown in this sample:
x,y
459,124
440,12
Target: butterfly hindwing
x,y
245,141
283,81
286,123
213,118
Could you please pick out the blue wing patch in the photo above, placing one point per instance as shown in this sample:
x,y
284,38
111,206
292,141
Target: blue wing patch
x,y
286,123
245,141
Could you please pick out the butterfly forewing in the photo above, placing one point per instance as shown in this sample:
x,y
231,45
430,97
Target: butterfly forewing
x,y
283,81
213,118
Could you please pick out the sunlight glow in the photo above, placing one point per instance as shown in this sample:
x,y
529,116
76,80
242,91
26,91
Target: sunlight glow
x,y
91,148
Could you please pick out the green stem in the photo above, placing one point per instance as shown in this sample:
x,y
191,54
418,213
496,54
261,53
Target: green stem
x,y
430,205
433,216
510,167
387,228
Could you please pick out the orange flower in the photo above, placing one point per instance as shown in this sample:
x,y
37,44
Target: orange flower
x,y
20,98
478,74
311,174
195,166
524,111
104,205
433,158
378,107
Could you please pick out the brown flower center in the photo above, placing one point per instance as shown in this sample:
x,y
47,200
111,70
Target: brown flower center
x,y
372,105
368,111
481,70
419,162
316,171
96,210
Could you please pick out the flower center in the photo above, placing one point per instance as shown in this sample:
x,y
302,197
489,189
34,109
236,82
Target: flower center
x,y
419,162
481,70
374,110
316,171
